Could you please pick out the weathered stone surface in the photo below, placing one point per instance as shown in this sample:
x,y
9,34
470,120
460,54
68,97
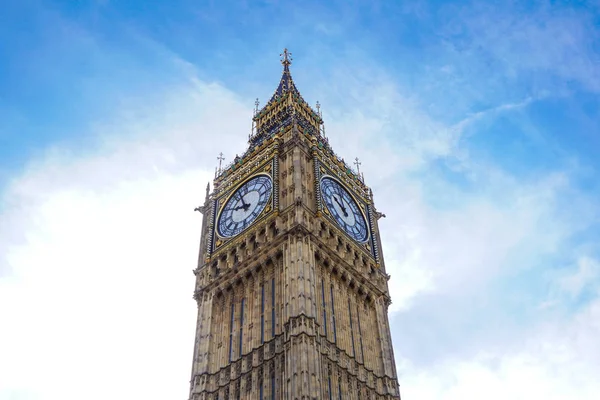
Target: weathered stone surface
x,y
292,307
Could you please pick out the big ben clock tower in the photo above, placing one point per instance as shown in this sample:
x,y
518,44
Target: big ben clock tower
x,y
291,285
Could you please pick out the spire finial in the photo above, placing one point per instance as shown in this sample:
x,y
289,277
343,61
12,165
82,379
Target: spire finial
x,y
320,114
256,103
286,59
358,164
220,158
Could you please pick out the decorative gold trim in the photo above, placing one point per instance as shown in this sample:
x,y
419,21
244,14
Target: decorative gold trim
x,y
231,193
252,162
350,192
235,240
330,164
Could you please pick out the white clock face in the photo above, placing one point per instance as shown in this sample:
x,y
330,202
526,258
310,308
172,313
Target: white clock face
x,y
244,206
344,209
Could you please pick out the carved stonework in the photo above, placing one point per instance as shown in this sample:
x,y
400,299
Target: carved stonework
x,y
292,305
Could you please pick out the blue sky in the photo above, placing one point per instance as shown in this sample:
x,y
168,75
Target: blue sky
x,y
477,124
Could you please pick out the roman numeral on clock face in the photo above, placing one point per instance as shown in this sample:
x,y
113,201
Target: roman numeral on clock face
x,y
344,209
245,205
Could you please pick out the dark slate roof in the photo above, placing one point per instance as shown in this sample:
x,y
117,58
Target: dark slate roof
x,y
286,84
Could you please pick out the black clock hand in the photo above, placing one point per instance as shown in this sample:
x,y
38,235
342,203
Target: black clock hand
x,y
337,201
341,205
244,206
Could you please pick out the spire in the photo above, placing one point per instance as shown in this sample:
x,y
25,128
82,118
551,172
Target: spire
x,y
286,84
286,100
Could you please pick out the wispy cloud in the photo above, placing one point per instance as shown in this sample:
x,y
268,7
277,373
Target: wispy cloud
x,y
98,248
587,274
98,239
538,40
552,361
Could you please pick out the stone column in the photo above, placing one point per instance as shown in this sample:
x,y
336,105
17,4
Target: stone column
x,y
381,305
302,376
203,328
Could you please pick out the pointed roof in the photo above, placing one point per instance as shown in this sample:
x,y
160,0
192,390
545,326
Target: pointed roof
x,y
286,83
286,87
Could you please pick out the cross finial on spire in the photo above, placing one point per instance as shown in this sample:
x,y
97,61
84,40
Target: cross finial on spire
x,y
220,158
319,108
358,164
286,57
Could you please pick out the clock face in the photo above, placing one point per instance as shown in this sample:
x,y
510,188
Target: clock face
x,y
245,205
344,209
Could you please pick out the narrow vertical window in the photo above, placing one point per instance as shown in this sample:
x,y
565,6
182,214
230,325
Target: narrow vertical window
x,y
329,381
272,385
260,390
362,354
273,307
231,330
333,315
241,326
351,329
339,388
324,307
262,314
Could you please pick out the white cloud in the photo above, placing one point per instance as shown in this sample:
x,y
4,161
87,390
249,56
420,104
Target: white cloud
x,y
586,274
98,249
438,236
554,44
557,360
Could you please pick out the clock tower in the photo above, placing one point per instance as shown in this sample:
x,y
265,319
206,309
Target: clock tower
x,y
291,284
